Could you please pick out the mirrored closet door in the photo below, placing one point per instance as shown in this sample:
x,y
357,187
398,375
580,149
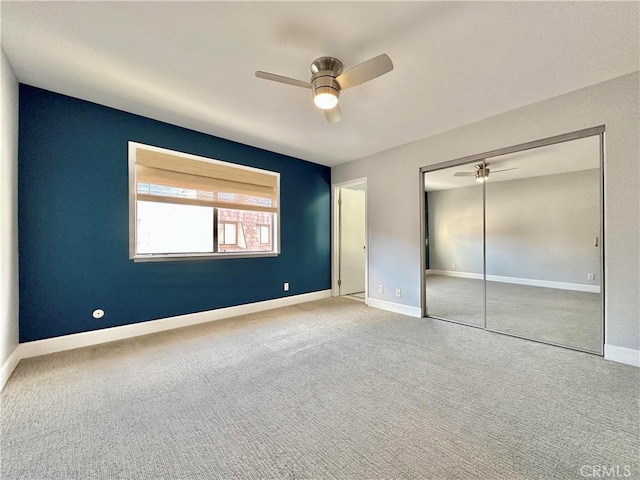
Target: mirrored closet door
x,y
542,237
515,243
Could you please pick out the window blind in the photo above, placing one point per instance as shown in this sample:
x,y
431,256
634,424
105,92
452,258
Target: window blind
x,y
167,178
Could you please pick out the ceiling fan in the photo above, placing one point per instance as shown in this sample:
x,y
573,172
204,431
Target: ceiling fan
x,y
327,80
481,172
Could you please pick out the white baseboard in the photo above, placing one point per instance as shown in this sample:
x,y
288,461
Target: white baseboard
x,y
9,366
85,339
580,287
625,355
453,273
394,307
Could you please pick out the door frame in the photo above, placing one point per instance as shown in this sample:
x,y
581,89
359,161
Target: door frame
x,y
481,157
335,237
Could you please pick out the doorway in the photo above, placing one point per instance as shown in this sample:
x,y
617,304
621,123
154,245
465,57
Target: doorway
x,y
515,241
350,239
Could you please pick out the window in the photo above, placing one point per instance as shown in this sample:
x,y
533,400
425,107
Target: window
x,y
186,206
227,233
264,234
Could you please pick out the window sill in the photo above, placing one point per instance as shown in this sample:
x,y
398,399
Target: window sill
x,y
204,256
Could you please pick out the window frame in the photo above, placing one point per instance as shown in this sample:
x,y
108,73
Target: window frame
x,y
159,257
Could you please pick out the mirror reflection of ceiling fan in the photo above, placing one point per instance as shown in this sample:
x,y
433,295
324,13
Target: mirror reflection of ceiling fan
x,y
328,80
481,173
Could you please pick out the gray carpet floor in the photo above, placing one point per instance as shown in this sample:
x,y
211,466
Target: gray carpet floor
x,y
322,390
562,317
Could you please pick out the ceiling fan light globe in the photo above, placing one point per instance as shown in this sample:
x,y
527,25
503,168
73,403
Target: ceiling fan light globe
x,y
325,100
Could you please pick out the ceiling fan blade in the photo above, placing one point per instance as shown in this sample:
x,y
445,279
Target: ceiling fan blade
x,y
281,79
333,115
365,71
504,170
464,174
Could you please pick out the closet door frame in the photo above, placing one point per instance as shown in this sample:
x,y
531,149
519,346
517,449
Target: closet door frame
x,y
482,157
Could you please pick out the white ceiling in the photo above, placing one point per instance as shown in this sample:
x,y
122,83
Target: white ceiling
x,y
572,156
192,63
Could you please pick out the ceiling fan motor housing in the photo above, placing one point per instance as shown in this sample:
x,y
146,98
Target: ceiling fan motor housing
x,y
482,172
325,70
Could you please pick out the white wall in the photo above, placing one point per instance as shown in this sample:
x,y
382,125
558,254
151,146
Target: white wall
x,y
538,228
8,210
456,229
394,190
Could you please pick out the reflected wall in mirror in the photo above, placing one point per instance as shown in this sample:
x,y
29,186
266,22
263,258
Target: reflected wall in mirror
x,y
453,216
514,243
542,237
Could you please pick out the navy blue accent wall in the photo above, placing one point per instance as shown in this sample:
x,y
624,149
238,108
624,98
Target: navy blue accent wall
x,y
74,227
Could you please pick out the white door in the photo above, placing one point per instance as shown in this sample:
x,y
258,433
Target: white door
x,y
352,241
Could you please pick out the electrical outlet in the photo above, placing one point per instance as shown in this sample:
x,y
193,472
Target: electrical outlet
x,y
286,286
591,276
398,292
453,264
380,289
